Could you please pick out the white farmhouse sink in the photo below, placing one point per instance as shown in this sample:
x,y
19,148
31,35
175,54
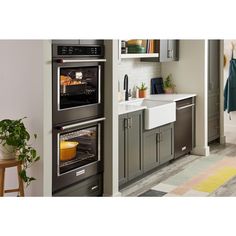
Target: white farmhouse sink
x,y
156,113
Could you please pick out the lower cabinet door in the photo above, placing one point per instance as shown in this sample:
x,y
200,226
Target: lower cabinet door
x,y
122,150
134,154
150,149
166,143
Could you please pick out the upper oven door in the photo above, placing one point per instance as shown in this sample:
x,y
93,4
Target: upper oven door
x,y
77,89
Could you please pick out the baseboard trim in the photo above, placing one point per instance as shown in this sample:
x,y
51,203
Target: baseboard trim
x,y
201,151
222,139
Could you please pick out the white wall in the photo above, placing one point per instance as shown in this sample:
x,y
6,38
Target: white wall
x,y
138,72
230,125
47,118
21,76
189,75
111,175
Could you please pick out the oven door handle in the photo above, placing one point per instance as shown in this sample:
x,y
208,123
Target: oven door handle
x,y
80,60
62,128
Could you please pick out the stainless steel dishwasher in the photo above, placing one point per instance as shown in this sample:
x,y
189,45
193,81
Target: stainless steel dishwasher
x,y
184,127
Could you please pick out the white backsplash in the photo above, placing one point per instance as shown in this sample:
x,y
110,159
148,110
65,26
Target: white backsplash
x,y
138,72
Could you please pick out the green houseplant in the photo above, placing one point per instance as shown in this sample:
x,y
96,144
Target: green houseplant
x,y
169,86
14,143
142,90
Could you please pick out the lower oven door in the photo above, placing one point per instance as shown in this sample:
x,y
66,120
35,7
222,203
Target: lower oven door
x,y
77,152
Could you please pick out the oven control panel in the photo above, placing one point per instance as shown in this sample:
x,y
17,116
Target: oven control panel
x,y
79,50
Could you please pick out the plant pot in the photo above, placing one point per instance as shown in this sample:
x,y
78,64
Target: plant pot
x,y
142,93
7,152
169,90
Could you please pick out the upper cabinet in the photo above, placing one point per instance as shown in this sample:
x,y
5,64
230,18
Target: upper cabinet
x,y
169,50
152,50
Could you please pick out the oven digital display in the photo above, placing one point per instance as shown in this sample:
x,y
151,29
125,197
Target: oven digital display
x,y
79,50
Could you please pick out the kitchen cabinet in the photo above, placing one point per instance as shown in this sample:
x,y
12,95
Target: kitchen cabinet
x,y
130,146
213,90
169,50
166,143
158,146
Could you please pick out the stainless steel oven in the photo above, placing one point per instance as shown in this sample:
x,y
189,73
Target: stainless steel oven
x,y
78,76
78,152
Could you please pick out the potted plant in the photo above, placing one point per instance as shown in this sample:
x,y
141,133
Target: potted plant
x,y
168,84
142,90
14,143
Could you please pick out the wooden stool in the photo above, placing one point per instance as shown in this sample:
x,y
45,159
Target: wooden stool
x,y
6,164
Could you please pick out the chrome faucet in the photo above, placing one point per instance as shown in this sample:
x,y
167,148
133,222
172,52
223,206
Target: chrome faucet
x,y
126,87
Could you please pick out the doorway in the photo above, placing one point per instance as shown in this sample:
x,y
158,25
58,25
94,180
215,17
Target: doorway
x,y
229,49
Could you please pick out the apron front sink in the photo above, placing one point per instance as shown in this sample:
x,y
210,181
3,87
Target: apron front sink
x,y
156,113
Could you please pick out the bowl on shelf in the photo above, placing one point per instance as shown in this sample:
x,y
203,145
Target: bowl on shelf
x,y
134,42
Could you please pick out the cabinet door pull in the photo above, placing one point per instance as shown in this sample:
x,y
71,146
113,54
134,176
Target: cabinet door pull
x,y
126,123
158,138
184,107
130,122
94,188
161,137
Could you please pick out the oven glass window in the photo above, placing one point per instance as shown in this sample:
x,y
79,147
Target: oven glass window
x,y
79,86
78,148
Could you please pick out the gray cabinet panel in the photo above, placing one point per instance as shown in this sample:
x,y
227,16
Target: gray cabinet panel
x,y
214,65
213,104
213,90
158,146
169,50
213,128
166,143
135,145
130,146
122,150
150,149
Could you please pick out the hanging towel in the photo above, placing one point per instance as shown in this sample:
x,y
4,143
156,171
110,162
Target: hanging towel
x,y
230,88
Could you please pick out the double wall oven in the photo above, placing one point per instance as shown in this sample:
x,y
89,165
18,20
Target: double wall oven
x,y
78,114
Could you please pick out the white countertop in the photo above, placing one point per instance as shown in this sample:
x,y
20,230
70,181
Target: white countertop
x,y
127,107
170,97
124,108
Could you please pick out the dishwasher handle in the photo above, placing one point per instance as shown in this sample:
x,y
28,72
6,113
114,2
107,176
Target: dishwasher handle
x,y
184,107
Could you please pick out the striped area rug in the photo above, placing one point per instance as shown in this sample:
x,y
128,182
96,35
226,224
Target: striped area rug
x,y
199,178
